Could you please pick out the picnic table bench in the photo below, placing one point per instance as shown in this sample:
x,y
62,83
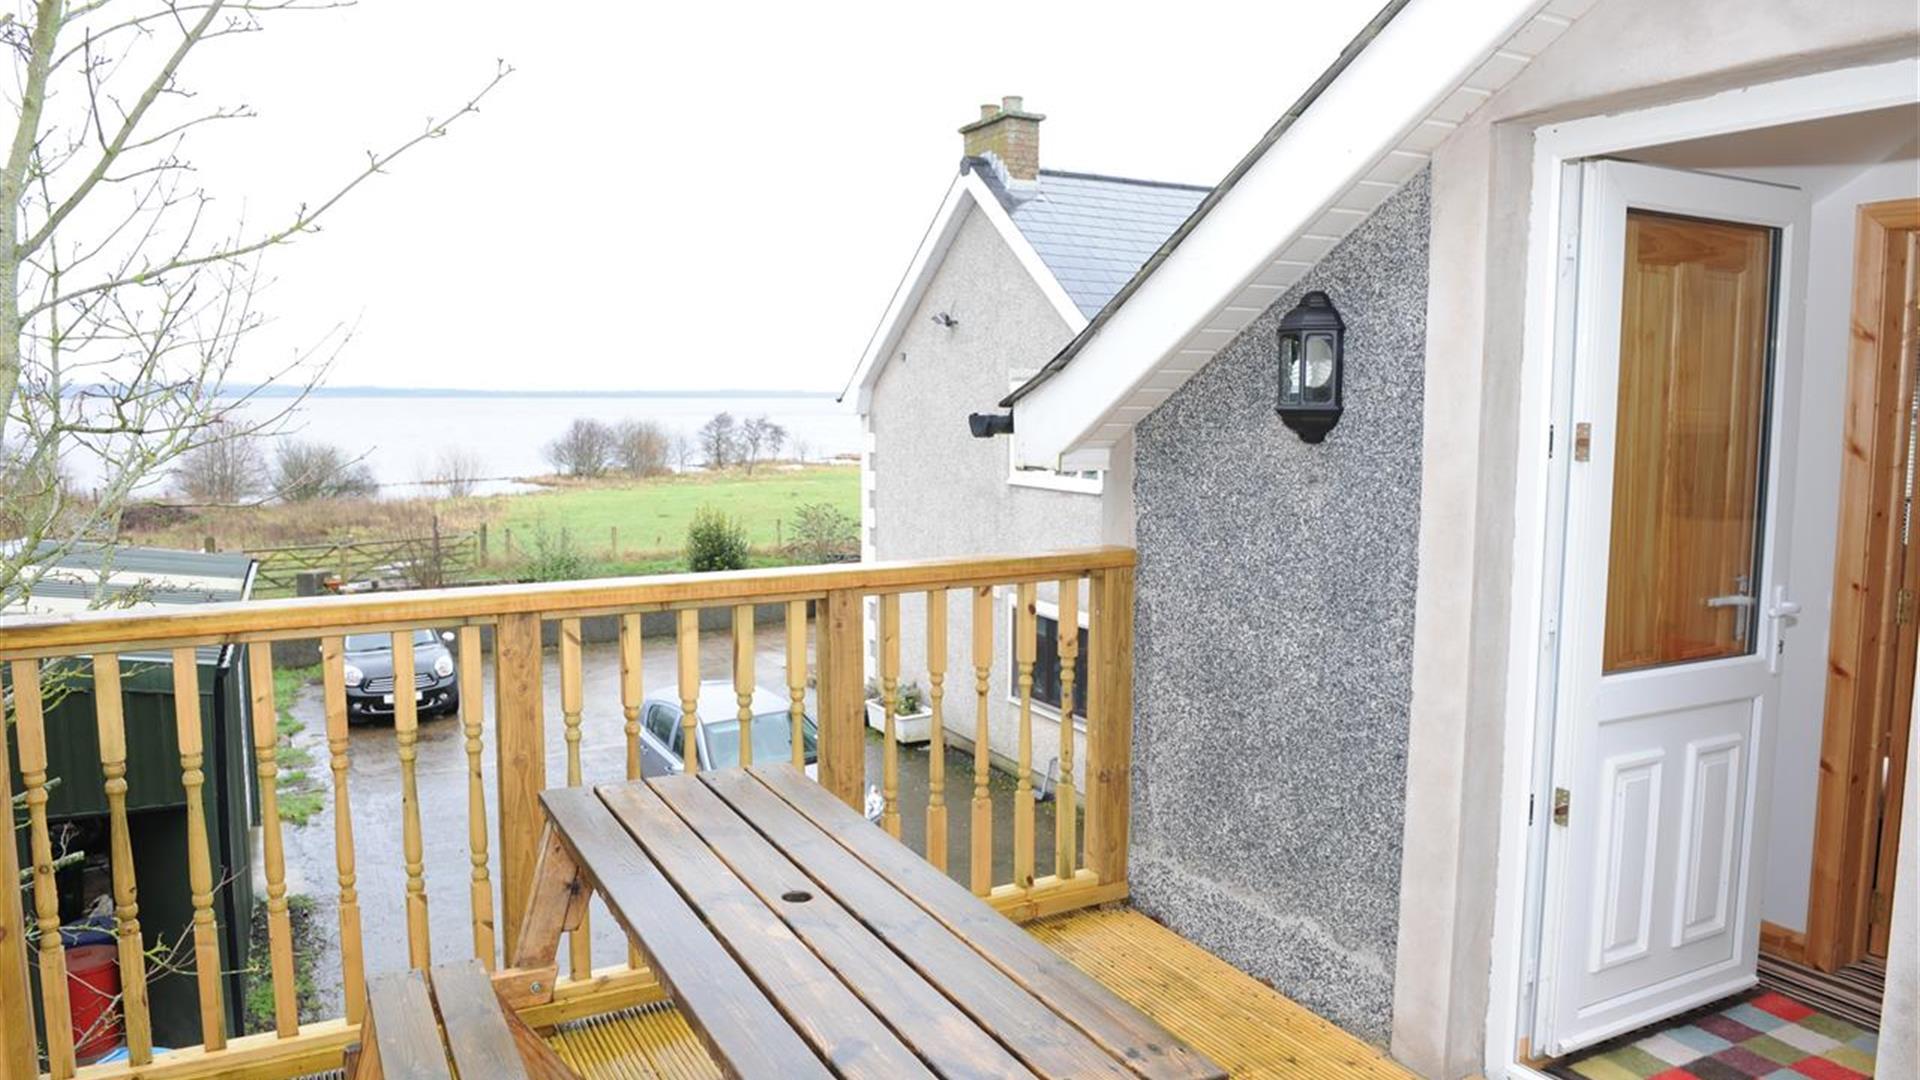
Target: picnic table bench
x,y
407,1011
800,940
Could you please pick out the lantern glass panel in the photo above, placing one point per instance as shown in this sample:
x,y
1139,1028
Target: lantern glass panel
x,y
1290,391
1319,369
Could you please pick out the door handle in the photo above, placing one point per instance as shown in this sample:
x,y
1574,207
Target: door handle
x,y
1783,608
1779,611
1730,600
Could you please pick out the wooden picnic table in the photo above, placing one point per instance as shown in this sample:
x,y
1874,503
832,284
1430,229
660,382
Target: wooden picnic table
x,y
798,939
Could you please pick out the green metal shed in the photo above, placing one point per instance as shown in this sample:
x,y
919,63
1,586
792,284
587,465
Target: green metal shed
x,y
156,801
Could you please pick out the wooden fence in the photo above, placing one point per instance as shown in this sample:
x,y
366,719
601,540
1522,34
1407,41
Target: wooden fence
x,y
428,561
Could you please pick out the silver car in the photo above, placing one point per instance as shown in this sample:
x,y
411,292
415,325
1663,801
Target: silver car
x,y
662,736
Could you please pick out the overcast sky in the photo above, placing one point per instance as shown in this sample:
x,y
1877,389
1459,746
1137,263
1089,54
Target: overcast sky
x,y
691,195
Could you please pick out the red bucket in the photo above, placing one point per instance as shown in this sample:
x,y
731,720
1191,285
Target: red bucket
x,y
93,988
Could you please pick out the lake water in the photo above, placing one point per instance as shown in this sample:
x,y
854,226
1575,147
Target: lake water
x,y
402,435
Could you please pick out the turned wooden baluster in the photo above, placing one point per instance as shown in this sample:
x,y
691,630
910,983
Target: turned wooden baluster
x,y
687,645
981,838
353,981
632,694
473,711
937,749
743,676
206,941
406,737
266,742
32,735
797,677
580,942
1066,824
1025,648
110,718
890,706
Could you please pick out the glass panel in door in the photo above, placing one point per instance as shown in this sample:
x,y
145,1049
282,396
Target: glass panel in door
x,y
1695,335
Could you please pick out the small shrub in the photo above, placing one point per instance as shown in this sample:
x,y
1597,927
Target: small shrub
x,y
823,533
715,542
552,556
908,698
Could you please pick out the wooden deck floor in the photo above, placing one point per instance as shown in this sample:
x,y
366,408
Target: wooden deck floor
x,y
1235,1020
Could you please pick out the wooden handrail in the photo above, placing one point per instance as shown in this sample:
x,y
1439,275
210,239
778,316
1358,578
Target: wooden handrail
x,y
840,596
264,620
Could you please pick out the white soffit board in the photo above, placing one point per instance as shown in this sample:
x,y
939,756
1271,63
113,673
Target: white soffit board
x,y
1342,158
967,193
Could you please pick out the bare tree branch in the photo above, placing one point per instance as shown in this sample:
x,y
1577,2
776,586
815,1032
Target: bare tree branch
x,y
304,219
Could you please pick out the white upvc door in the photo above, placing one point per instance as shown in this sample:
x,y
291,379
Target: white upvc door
x,y
1673,610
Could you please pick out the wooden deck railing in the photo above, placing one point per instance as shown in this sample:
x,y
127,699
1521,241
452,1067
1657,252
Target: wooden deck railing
x,y
37,1036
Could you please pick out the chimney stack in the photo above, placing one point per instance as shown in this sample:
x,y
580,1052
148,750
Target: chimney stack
x,y
1010,133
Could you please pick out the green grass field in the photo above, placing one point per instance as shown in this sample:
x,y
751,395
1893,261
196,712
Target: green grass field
x,y
652,515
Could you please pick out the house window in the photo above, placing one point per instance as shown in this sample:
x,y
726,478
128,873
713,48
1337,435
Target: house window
x,y
1046,663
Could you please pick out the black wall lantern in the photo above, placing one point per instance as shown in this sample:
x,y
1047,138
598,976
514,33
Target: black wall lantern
x,y
1311,347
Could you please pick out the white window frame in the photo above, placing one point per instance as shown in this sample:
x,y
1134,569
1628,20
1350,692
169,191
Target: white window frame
x,y
1045,609
1087,482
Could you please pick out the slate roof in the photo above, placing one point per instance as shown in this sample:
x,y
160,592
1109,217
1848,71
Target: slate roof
x,y
1092,231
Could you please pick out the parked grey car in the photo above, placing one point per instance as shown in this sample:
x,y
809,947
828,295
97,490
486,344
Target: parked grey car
x,y
662,736
369,671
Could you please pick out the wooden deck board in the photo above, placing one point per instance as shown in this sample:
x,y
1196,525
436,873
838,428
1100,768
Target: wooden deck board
x,y
1243,1025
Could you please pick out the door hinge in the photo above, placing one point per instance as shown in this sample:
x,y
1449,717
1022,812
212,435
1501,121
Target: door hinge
x,y
1582,441
1562,802
1903,607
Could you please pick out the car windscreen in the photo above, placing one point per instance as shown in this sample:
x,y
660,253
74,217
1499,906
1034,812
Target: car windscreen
x,y
772,739
383,642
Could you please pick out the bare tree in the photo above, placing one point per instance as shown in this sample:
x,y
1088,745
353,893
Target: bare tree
x,y
718,440
759,437
640,447
125,294
457,471
585,449
222,469
304,470
802,450
682,451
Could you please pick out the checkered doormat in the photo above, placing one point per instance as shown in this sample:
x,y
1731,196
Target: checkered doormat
x,y
1760,1035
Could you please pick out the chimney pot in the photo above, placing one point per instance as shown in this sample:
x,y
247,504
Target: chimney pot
x,y
1010,134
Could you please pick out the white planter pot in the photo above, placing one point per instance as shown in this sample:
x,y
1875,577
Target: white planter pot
x,y
909,728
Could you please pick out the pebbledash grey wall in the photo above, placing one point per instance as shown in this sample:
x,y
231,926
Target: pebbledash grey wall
x,y
1274,652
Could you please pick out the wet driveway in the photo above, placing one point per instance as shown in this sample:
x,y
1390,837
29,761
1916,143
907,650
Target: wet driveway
x,y
441,771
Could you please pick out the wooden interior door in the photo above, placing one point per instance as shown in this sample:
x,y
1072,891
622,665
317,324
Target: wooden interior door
x,y
1668,680
1876,616
1900,323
